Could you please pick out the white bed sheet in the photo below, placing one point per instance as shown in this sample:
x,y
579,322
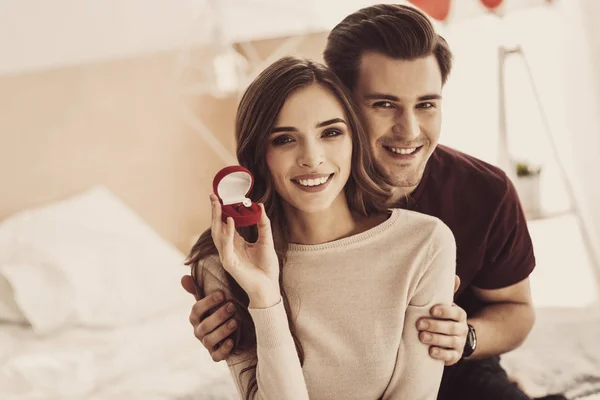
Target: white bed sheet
x,y
157,359
160,359
561,354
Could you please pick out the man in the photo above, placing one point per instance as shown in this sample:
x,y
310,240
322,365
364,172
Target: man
x,y
395,64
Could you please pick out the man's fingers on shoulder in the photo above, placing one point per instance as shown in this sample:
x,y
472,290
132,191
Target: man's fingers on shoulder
x,y
221,315
214,320
187,282
464,329
452,328
460,313
461,330
440,311
448,356
210,340
453,359
199,308
454,312
459,342
223,351
447,342
204,305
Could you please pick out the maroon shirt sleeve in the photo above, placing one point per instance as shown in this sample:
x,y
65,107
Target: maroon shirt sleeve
x,y
509,256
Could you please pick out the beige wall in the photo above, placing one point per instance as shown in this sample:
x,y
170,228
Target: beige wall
x,y
116,123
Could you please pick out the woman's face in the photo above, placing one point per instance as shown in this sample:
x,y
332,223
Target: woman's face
x,y
309,151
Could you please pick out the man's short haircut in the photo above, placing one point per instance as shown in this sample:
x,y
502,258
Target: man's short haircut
x,y
398,31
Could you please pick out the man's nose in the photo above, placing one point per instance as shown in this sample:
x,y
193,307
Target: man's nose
x,y
406,126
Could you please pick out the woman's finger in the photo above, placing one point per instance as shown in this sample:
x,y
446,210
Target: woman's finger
x,y
264,227
238,240
228,249
216,223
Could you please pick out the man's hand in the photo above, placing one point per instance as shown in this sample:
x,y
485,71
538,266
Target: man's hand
x,y
213,330
446,332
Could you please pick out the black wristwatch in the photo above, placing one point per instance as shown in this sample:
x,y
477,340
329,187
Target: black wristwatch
x,y
471,342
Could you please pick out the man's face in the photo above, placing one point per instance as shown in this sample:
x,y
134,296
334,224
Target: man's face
x,y
401,101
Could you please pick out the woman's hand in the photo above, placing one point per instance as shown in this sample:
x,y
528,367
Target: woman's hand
x,y
254,266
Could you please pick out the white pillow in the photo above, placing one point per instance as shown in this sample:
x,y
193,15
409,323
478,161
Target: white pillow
x,y
9,310
87,261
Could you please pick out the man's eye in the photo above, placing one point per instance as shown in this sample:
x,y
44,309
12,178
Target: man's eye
x,y
383,104
426,105
281,140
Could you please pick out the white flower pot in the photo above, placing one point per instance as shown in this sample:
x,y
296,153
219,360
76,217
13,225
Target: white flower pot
x,y
528,188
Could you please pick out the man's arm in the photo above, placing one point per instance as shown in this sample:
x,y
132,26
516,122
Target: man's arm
x,y
505,322
508,317
501,326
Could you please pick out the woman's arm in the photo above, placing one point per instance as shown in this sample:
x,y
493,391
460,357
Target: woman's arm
x,y
255,268
278,373
417,376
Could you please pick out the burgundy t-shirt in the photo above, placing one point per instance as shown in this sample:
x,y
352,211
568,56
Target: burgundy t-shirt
x,y
480,205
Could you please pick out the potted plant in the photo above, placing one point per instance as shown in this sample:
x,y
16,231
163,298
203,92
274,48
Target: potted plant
x,y
528,187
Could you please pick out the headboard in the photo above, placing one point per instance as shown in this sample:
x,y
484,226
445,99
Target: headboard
x,y
117,123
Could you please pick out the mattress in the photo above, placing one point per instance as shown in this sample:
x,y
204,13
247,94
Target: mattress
x,y
561,354
157,359
160,359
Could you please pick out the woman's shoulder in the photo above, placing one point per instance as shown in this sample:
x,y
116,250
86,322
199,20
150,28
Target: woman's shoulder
x,y
426,221
211,265
419,224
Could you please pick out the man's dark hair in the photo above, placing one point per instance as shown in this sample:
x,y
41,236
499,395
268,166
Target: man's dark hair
x,y
398,31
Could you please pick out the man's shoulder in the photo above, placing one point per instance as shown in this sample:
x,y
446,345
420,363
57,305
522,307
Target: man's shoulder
x,y
463,163
468,174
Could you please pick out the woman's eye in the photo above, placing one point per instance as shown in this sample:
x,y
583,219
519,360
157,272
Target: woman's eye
x,y
332,133
383,104
281,140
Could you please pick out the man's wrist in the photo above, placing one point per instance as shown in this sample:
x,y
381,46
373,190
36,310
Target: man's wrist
x,y
470,342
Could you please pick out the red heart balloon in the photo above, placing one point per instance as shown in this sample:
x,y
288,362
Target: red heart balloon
x,y
437,9
491,4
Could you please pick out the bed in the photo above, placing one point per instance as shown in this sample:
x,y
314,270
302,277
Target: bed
x,y
156,359
91,308
561,354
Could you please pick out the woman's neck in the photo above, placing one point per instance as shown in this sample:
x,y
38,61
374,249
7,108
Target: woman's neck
x,y
335,223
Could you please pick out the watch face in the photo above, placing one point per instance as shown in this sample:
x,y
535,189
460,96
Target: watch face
x,y
471,342
472,338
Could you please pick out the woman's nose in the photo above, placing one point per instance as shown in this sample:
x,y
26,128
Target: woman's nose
x,y
311,155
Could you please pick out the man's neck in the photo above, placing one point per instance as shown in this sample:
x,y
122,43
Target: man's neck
x,y
399,193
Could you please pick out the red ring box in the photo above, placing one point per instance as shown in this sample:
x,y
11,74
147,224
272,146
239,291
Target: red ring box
x,y
231,185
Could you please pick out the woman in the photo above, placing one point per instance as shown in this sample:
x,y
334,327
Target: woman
x,y
330,284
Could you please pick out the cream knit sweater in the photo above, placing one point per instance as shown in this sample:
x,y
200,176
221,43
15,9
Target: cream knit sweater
x,y
354,304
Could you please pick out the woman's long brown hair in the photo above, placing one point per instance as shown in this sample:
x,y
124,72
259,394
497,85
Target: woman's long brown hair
x,y
367,189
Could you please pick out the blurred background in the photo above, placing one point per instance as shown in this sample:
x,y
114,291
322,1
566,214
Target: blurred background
x,y
116,114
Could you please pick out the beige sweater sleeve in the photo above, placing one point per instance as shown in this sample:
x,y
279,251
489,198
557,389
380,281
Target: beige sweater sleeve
x,y
417,376
278,372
